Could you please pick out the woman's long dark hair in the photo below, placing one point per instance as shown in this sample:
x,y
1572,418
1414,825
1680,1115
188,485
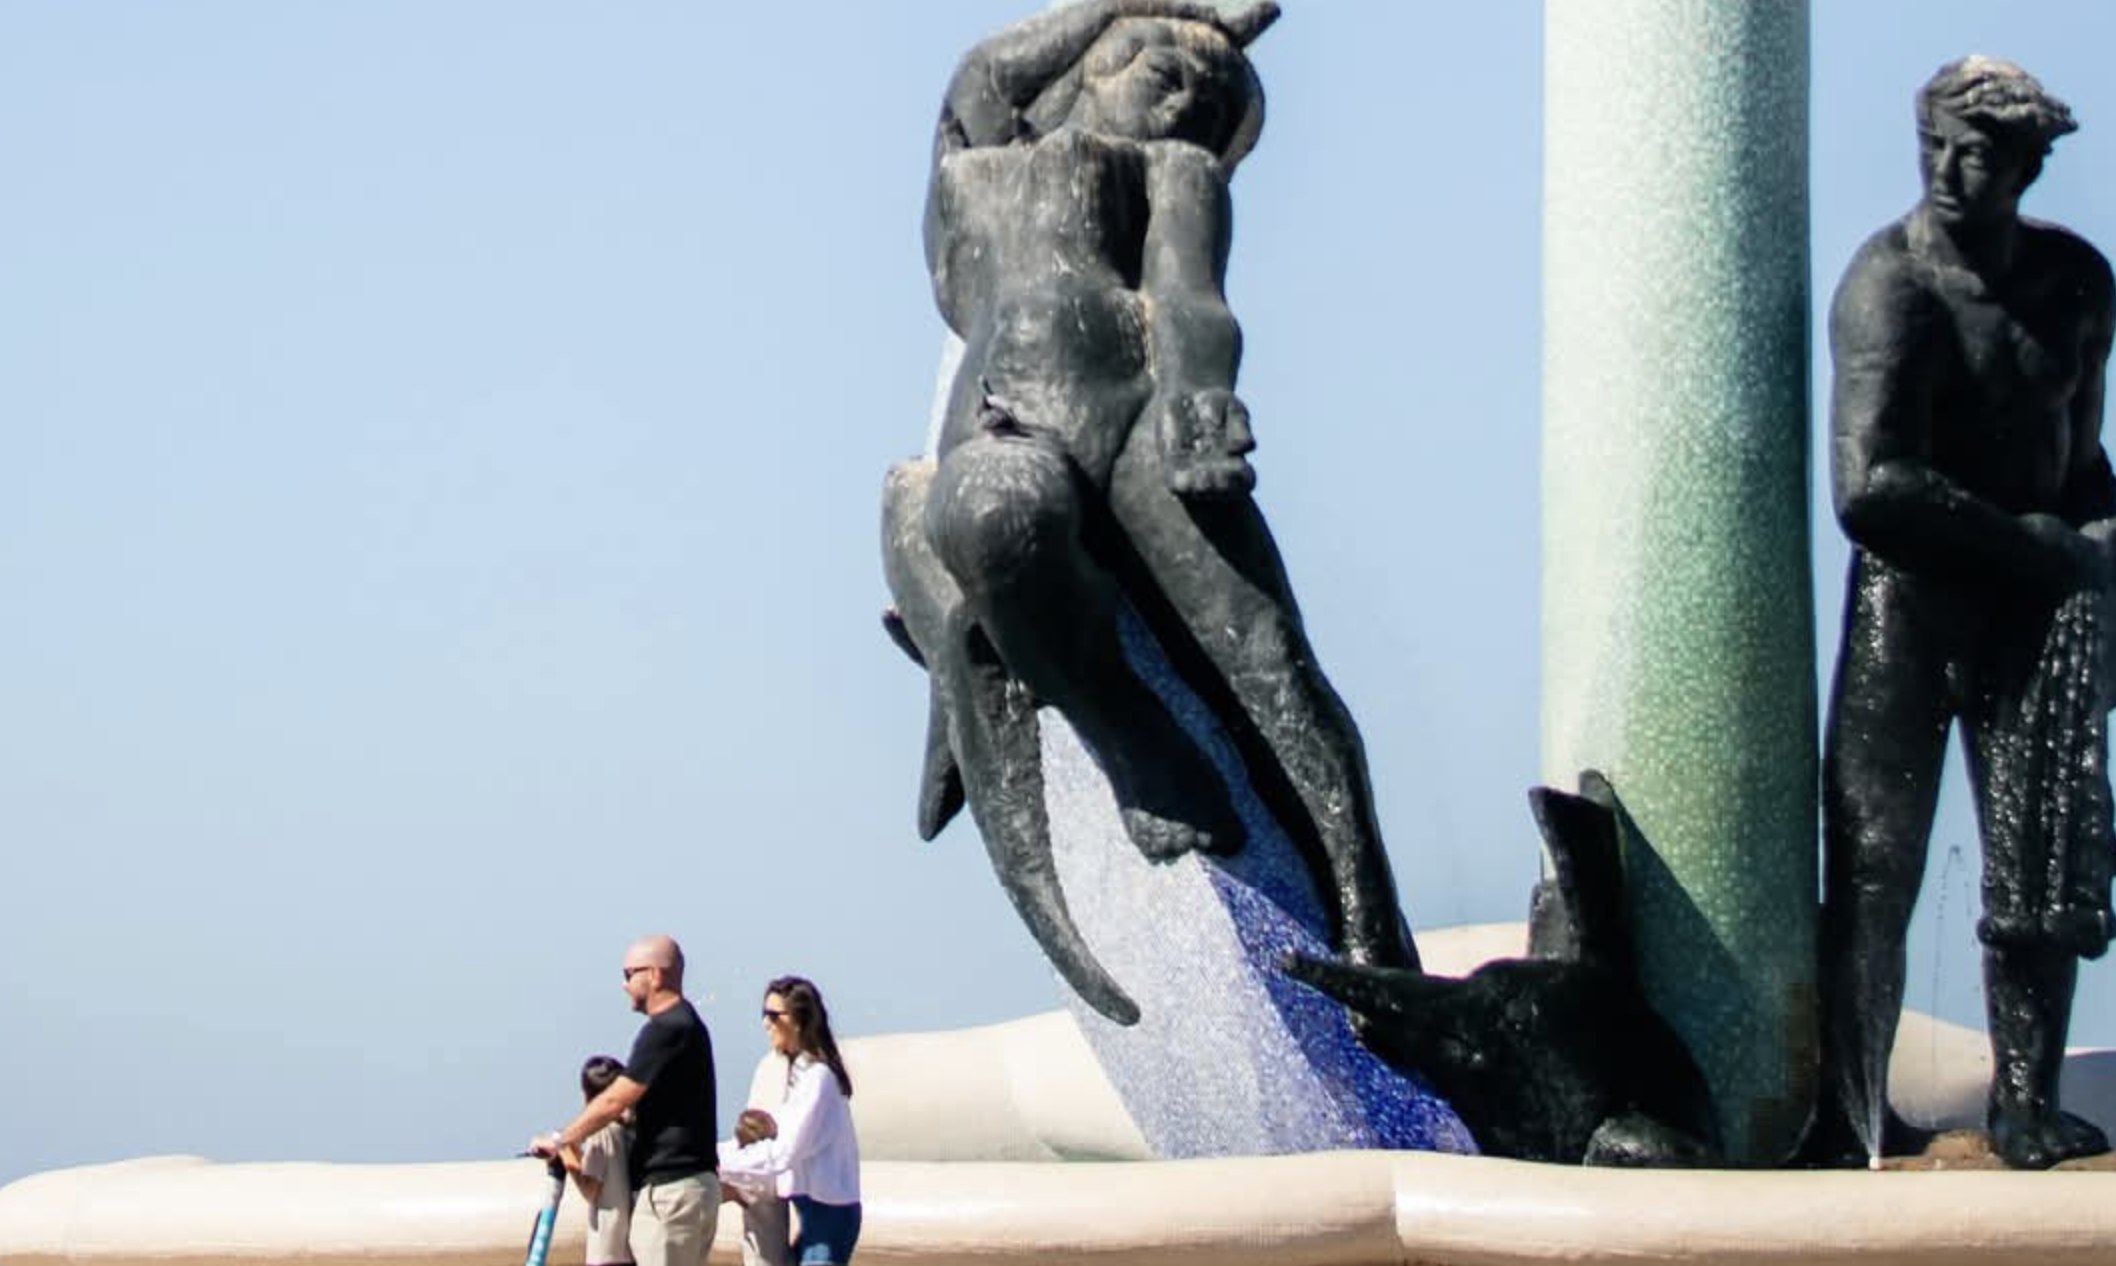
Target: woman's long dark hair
x,y
804,1004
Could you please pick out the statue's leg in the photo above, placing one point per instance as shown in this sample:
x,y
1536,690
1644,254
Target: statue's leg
x,y
1005,518
2028,978
1885,743
983,742
1211,584
2028,1005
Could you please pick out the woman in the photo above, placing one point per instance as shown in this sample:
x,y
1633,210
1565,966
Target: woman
x,y
808,1152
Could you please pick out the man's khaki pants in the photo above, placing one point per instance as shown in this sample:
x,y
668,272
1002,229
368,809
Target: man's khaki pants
x,y
673,1221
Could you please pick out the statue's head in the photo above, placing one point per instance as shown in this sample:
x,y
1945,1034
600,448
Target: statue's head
x,y
1154,79
1984,126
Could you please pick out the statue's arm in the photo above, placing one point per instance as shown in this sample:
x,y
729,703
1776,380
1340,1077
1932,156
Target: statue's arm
x,y
997,81
1884,331
995,97
2090,489
1204,433
1183,268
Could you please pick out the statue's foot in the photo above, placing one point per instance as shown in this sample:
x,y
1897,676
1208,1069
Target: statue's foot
x,y
1172,802
2028,1140
1162,839
1633,1140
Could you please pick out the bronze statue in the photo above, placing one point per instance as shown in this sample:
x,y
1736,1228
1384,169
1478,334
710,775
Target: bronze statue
x,y
1969,348
1093,459
1557,1056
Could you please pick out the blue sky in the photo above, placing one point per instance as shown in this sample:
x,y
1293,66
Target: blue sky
x,y
439,458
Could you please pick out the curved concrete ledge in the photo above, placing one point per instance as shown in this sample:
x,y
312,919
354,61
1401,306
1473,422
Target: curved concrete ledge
x,y
187,1209
1004,1105
1334,1209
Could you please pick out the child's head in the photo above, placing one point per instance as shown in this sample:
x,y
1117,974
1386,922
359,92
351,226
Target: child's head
x,y
597,1074
752,1125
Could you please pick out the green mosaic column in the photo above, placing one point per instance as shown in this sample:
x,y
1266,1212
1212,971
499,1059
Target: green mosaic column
x,y
1678,626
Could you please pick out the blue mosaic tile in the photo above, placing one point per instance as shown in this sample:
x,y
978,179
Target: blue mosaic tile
x,y
1230,1057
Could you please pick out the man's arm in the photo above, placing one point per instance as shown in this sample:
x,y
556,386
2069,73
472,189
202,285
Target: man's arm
x,y
621,1095
1890,499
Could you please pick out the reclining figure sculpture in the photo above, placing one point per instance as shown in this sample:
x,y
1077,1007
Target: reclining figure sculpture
x,y
1091,471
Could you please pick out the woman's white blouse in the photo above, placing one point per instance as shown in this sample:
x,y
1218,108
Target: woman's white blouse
x,y
816,1154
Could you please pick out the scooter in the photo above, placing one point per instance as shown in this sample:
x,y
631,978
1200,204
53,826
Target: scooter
x,y
546,1217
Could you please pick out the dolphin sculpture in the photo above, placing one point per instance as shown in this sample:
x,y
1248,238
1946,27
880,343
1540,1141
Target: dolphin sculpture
x,y
1558,1056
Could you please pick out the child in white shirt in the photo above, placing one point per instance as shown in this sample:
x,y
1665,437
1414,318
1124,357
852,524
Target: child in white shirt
x,y
601,1169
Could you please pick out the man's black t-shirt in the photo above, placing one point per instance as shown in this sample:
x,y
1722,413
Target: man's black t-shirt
x,y
673,1131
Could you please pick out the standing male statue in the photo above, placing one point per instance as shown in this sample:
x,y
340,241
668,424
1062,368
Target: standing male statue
x,y
1969,348
1092,460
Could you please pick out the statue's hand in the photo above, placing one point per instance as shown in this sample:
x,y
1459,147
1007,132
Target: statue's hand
x,y
1205,438
1241,27
2102,534
2082,557
1250,23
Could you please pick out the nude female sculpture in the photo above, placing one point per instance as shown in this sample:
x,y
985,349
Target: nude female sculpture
x,y
1093,459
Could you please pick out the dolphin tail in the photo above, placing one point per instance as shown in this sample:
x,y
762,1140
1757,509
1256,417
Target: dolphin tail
x,y
925,597
1578,913
994,730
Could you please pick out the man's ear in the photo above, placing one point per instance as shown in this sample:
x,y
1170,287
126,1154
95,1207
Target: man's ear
x,y
2030,168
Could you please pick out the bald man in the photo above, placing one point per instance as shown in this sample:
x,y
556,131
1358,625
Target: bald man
x,y
668,1086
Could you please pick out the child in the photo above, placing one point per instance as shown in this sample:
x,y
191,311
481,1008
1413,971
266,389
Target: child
x,y
736,1183
598,1167
754,1124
